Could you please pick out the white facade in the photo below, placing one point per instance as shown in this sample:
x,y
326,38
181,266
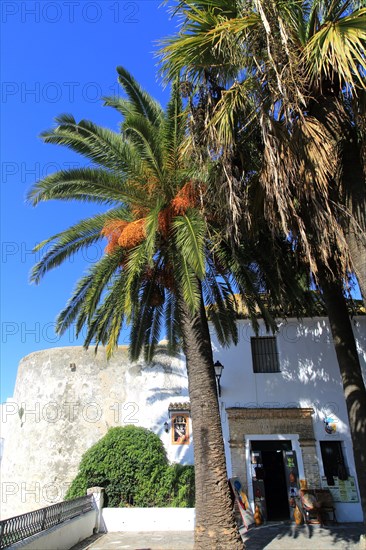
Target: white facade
x,y
309,378
59,411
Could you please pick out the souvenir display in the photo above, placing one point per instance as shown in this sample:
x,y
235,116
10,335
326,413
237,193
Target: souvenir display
x,y
299,520
258,516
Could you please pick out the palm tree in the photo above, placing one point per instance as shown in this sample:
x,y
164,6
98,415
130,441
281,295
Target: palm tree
x,y
294,72
297,69
165,267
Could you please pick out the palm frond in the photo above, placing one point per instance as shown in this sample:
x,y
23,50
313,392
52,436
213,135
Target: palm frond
x,y
145,138
152,223
174,131
188,285
189,233
143,103
64,245
153,333
142,318
101,145
102,272
220,306
338,47
209,37
250,291
84,184
68,315
235,104
85,298
172,325
124,106
106,324
135,265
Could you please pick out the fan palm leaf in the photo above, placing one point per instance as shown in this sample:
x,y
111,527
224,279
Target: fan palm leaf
x,y
338,47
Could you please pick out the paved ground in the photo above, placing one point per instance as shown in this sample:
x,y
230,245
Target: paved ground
x,y
140,541
273,536
288,536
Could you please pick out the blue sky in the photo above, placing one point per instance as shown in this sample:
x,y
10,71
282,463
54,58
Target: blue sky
x,y
57,57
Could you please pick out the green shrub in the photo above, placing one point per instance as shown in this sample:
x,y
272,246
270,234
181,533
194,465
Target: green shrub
x,y
177,487
131,464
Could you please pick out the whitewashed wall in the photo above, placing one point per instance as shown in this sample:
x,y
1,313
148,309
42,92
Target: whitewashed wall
x,y
58,413
153,519
309,377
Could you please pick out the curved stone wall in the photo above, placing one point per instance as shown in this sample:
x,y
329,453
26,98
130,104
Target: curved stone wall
x,y
65,400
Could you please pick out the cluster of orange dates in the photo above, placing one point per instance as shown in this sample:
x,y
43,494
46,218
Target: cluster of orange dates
x,y
129,234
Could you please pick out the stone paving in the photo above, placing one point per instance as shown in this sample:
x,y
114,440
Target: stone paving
x,y
272,536
168,540
289,536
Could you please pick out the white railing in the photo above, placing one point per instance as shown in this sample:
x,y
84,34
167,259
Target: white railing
x,y
18,528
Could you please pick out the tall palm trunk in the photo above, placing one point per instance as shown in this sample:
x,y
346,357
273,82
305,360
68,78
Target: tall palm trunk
x,y
354,190
350,369
215,524
358,255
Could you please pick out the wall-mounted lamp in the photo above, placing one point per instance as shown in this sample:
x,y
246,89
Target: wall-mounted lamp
x,y
72,367
166,427
218,372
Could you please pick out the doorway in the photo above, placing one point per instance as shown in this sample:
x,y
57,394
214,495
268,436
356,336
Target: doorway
x,y
274,477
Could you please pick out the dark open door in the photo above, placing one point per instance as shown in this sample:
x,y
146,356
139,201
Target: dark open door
x,y
274,476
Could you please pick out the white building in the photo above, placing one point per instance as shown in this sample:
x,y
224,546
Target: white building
x,y
282,403
282,406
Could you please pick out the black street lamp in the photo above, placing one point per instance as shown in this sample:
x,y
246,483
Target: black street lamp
x,y
218,372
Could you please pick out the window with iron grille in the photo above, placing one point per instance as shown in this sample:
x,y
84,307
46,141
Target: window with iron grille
x,y
265,354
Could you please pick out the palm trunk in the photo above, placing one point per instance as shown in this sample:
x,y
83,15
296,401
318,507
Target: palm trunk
x,y
215,524
354,190
357,251
350,369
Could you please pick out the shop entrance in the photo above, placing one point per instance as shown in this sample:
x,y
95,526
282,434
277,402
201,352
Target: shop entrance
x,y
270,483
